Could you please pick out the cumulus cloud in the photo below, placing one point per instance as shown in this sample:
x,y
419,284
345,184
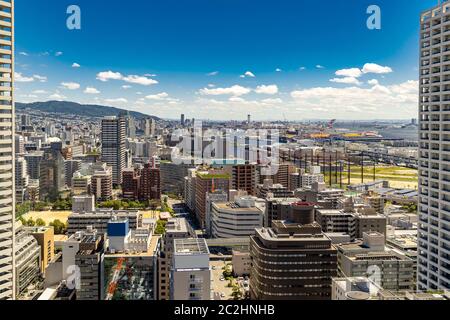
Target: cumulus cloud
x,y
235,90
375,68
389,101
70,85
159,96
105,76
40,78
214,73
278,70
373,82
352,72
248,74
19,77
22,53
346,80
57,96
76,65
320,66
117,100
91,90
270,89
58,53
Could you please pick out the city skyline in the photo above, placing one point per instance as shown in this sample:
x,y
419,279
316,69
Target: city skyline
x,y
165,63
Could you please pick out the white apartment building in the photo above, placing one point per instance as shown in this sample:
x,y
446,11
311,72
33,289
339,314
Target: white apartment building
x,y
190,274
236,219
434,152
7,187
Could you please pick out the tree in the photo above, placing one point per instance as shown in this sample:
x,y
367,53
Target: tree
x,y
160,227
40,223
59,227
237,293
30,223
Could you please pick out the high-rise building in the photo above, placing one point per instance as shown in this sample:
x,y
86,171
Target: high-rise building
x,y
206,182
7,128
113,146
150,183
245,178
182,121
434,169
291,261
101,182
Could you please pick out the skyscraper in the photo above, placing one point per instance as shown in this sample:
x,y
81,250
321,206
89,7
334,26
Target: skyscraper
x,y
434,146
113,146
7,188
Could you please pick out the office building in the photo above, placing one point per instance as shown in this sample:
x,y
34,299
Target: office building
x,y
102,182
244,177
45,239
291,261
237,219
370,257
208,181
113,146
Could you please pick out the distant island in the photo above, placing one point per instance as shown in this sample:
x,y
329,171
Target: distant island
x,y
83,110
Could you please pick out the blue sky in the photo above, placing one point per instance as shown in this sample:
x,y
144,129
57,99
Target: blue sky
x,y
303,59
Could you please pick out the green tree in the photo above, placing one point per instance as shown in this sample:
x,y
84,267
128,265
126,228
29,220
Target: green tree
x,y
59,227
40,223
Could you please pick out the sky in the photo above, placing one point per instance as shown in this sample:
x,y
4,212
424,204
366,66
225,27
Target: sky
x,y
224,59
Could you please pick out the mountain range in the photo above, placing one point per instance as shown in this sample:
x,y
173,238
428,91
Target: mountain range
x,y
84,110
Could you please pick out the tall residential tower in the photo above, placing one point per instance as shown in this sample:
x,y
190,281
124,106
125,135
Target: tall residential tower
x,y
113,146
434,154
7,189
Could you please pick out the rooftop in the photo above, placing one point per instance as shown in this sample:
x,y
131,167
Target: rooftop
x,y
190,246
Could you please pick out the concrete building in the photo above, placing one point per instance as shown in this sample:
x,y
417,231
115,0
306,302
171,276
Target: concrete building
x,y
236,219
83,204
81,184
52,172
242,263
21,179
370,257
291,261
27,260
245,177
211,197
270,190
434,202
99,220
176,228
355,288
7,128
90,261
208,182
33,160
190,273
190,183
172,176
113,146
102,182
71,166
45,239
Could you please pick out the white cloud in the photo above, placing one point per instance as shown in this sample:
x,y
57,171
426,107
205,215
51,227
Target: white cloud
x,y
70,85
126,87
40,78
375,68
19,77
76,65
248,74
235,90
57,96
302,68
105,76
58,54
270,89
320,66
352,72
139,80
91,90
394,101
214,73
346,80
159,96
278,70
117,100
23,53
40,92
373,82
